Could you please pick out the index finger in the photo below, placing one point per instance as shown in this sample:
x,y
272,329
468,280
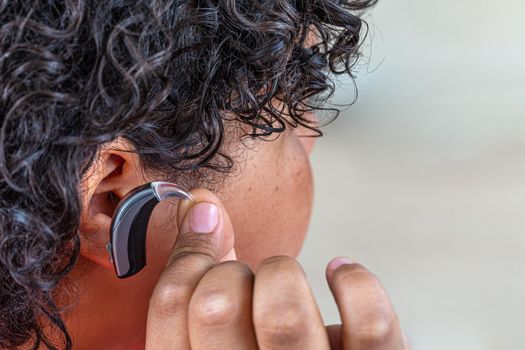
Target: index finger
x,y
199,246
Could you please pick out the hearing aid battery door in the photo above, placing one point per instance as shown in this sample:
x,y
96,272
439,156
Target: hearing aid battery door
x,y
129,228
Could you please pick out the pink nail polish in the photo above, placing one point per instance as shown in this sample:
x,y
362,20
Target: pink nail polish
x,y
204,217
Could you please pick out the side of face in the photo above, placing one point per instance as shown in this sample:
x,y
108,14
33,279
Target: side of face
x,y
268,198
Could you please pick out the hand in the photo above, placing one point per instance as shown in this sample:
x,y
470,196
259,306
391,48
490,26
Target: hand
x,y
206,300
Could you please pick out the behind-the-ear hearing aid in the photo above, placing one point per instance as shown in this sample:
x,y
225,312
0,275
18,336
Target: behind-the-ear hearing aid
x,y
127,245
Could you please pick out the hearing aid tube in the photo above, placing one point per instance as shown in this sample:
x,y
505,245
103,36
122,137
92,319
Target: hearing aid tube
x,y
127,245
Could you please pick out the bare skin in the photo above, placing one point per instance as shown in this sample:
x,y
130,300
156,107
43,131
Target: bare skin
x,y
237,287
224,305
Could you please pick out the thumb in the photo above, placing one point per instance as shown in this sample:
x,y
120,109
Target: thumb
x,y
205,238
225,236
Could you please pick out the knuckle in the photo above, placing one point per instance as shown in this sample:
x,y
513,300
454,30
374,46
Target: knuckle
x,y
281,318
283,328
284,325
216,303
175,286
169,298
377,331
214,308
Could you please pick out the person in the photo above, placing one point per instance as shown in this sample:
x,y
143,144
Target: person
x,y
99,97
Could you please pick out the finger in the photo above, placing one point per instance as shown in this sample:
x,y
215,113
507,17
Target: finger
x,y
200,245
220,313
334,336
285,313
369,320
228,236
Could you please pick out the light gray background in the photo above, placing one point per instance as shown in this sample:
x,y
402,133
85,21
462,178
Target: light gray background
x,y
423,180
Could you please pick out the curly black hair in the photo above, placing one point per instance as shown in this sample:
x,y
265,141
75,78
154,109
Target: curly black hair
x,y
167,75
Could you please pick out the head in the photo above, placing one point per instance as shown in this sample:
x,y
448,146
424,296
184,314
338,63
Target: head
x,y
97,98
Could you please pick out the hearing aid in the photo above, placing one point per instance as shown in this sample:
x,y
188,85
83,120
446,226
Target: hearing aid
x,y
127,244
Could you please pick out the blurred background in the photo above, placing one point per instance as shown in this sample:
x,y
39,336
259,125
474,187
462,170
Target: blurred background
x,y
423,179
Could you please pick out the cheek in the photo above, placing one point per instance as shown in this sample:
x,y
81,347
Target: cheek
x,y
270,201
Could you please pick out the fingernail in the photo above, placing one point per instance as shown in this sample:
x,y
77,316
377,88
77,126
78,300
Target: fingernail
x,y
203,217
335,263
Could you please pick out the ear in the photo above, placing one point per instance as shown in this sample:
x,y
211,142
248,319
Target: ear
x,y
114,172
